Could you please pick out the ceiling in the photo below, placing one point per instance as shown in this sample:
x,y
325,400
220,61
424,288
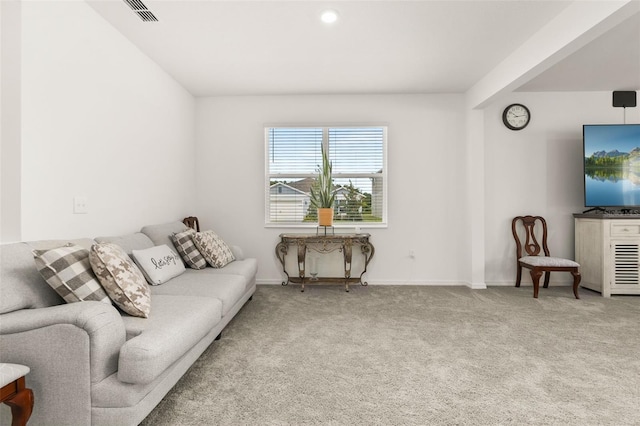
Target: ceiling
x,y
239,47
610,62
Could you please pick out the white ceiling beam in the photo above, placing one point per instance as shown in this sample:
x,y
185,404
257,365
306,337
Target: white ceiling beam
x,y
576,26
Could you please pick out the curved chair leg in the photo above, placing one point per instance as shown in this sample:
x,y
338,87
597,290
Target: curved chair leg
x,y
21,407
576,282
547,275
518,275
535,277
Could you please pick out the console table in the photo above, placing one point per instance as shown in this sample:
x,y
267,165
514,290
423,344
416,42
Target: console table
x,y
324,244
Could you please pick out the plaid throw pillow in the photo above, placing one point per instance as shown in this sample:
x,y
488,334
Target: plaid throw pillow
x,y
188,250
216,252
67,270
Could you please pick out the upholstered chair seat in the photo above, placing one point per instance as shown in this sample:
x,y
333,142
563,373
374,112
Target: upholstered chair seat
x,y
549,261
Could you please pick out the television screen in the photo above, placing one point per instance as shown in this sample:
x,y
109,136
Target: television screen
x,y
611,165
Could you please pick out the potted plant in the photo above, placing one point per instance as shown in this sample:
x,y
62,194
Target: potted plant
x,y
323,193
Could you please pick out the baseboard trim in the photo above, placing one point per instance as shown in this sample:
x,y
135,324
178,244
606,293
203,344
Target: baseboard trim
x,y
477,286
528,284
474,286
268,282
416,282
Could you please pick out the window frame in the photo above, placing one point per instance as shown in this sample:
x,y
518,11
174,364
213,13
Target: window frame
x,y
268,176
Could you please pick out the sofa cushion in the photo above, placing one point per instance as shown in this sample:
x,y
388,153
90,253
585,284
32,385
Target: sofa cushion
x,y
213,248
21,286
129,242
183,242
247,268
158,264
162,313
227,288
67,270
121,278
49,244
238,253
175,325
160,234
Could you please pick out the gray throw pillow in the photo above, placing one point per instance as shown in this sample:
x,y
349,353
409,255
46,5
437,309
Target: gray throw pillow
x,y
183,241
67,270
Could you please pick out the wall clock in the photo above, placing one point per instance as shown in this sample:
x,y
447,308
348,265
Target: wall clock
x,y
516,116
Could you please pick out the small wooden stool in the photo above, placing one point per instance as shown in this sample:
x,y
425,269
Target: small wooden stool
x,y
14,392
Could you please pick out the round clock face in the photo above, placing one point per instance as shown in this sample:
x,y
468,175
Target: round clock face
x,y
516,116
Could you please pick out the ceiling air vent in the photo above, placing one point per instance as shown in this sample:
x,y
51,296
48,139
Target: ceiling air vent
x,y
141,10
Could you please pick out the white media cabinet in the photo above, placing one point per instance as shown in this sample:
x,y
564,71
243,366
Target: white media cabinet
x,y
608,251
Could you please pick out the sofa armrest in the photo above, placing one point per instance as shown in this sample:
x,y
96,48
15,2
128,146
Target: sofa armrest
x,y
99,322
237,252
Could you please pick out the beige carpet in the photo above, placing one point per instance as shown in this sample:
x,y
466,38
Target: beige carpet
x,y
397,355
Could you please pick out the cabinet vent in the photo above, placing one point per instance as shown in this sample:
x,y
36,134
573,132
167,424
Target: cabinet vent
x,y
626,257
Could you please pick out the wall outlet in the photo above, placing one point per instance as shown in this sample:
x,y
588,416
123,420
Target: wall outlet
x,y
80,205
412,253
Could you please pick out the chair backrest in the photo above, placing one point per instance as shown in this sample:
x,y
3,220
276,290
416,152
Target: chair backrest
x,y
529,241
192,222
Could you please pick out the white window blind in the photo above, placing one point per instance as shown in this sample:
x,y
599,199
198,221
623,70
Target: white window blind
x,y
294,155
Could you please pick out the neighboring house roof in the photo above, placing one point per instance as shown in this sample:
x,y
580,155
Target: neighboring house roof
x,y
303,185
289,187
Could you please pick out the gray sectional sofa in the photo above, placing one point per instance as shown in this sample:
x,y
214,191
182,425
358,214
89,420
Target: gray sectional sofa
x,y
92,364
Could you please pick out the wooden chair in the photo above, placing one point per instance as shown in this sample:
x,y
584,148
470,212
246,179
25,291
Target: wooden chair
x,y
15,393
533,260
192,222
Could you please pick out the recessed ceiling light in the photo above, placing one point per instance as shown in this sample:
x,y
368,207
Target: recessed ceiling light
x,y
329,16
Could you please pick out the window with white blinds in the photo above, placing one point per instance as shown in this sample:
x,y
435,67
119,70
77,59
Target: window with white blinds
x,y
358,156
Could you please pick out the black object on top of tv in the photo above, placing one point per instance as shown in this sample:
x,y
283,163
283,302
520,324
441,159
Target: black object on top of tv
x,y
624,99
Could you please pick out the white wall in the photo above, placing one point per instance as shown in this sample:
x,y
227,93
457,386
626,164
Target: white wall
x,y
100,120
538,171
472,257
10,111
426,177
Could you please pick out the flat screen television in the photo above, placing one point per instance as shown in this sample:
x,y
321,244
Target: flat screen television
x,y
611,165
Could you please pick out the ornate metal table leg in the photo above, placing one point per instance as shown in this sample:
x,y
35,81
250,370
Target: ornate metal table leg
x,y
368,251
347,250
281,253
302,252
